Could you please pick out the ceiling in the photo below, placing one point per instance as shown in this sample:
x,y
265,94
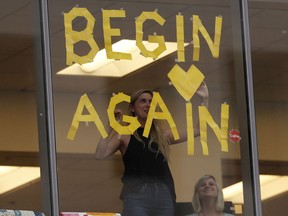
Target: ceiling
x,y
269,45
269,40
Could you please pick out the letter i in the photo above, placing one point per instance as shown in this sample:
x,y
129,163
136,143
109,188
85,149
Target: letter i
x,y
190,128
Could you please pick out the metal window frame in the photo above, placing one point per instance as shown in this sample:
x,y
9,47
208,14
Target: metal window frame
x,y
45,111
245,104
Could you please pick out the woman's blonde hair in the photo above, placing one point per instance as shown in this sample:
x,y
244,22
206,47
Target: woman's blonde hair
x,y
196,202
156,134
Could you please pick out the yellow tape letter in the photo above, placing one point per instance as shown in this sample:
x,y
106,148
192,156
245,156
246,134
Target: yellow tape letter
x,y
79,117
134,123
108,32
222,135
224,127
180,38
72,37
214,47
165,114
156,39
190,129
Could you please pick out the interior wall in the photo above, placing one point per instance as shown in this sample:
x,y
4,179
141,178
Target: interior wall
x,y
18,126
185,169
19,133
271,124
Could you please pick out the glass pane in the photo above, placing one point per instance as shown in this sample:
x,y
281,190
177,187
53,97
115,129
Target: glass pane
x,y
269,53
19,148
190,42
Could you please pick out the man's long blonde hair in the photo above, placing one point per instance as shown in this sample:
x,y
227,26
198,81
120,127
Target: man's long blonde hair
x,y
156,135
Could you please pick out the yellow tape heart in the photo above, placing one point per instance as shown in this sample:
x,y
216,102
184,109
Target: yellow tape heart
x,y
186,83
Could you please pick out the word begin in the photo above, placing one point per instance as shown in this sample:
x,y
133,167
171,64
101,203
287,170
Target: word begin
x,y
72,37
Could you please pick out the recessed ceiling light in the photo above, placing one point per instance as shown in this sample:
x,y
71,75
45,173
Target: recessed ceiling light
x,y
12,177
271,185
101,66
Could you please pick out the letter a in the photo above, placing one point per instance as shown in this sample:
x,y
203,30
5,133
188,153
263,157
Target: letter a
x,y
79,117
165,114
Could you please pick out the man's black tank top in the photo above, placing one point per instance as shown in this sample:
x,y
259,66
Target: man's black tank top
x,y
144,165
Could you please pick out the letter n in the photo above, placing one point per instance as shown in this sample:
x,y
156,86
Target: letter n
x,y
221,134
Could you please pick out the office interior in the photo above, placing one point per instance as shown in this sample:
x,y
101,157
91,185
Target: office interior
x,y
85,184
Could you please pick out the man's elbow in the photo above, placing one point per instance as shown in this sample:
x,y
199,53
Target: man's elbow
x,y
99,156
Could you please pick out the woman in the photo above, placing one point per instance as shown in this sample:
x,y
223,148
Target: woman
x,y
208,198
148,186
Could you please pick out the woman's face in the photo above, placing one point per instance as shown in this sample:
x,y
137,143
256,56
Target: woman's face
x,y
208,188
141,106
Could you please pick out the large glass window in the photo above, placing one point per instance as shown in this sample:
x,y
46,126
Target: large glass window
x,y
189,43
19,149
269,51
89,185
